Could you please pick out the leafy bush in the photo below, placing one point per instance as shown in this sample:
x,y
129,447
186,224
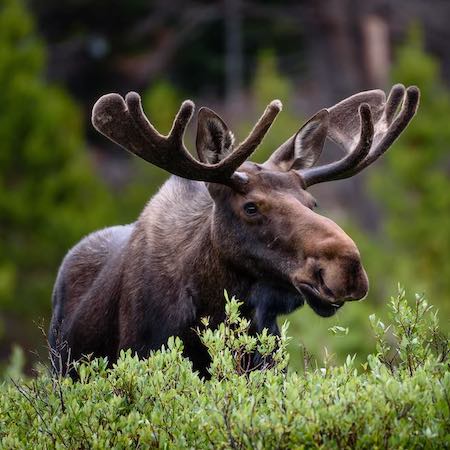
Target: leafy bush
x,y
399,398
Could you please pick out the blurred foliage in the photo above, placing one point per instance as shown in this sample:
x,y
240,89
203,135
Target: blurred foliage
x,y
14,367
158,94
49,195
413,186
398,398
269,84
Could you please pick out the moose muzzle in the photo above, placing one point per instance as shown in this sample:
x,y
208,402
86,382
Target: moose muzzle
x,y
331,271
327,284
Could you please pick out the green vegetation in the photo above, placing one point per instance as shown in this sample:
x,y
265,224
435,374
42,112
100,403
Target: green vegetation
x,y
397,399
413,186
269,84
49,195
393,389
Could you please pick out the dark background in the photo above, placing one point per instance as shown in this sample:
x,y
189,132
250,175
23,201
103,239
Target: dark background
x,y
61,180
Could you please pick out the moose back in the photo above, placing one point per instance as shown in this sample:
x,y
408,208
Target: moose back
x,y
220,222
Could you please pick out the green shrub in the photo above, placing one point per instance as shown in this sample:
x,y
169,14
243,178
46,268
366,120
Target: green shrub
x,y
399,398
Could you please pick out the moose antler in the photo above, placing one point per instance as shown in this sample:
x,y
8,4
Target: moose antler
x,y
124,122
378,126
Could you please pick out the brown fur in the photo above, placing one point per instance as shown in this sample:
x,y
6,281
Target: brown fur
x,y
247,228
134,286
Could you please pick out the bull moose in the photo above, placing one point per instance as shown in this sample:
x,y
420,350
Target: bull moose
x,y
220,222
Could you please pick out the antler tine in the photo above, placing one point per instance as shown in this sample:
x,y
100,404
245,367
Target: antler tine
x,y
167,152
134,105
333,170
111,117
256,135
394,100
182,120
375,138
260,129
409,109
124,122
180,123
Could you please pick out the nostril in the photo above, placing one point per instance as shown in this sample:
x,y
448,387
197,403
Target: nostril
x,y
357,296
323,285
319,276
362,288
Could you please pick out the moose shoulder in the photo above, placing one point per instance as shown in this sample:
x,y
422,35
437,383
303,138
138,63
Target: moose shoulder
x,y
221,222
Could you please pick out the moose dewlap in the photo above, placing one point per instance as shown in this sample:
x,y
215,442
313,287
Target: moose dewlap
x,y
221,222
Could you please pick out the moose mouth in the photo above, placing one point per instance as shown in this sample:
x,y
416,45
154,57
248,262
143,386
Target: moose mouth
x,y
322,305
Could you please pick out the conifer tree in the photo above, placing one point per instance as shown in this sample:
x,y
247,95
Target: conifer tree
x,y
49,195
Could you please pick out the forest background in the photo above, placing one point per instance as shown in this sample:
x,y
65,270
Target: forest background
x,y
60,180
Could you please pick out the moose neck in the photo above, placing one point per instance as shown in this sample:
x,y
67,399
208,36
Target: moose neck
x,y
178,223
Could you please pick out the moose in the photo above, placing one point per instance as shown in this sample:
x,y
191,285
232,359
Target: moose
x,y
219,222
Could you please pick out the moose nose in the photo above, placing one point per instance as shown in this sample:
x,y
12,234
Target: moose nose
x,y
360,285
344,278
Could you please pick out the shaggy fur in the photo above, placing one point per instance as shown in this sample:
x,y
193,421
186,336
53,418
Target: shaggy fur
x,y
240,226
134,286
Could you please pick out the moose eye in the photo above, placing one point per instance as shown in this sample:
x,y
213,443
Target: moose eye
x,y
250,208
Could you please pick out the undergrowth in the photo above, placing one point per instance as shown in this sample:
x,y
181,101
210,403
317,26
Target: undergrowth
x,y
398,398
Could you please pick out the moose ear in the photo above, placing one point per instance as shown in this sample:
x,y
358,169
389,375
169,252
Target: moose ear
x,y
214,140
304,148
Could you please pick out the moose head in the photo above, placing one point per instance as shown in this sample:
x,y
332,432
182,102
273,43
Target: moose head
x,y
262,215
